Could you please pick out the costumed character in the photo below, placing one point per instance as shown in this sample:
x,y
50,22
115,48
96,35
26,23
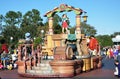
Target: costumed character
x,y
28,40
93,45
64,23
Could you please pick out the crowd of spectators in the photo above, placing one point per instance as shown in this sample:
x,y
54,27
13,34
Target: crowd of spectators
x,y
8,57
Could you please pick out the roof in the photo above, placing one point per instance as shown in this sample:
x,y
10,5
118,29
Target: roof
x,y
63,8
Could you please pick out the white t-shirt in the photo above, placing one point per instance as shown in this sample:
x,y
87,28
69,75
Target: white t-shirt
x,y
14,57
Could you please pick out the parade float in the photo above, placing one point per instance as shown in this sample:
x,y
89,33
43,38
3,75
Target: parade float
x,y
59,50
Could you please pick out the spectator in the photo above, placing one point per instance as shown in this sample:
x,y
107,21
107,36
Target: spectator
x,y
115,52
14,57
4,58
4,48
1,66
4,52
9,65
117,68
109,53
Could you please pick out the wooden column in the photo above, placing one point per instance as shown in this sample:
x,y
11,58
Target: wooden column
x,y
78,47
84,47
39,53
64,37
50,22
19,53
32,50
25,53
78,33
78,21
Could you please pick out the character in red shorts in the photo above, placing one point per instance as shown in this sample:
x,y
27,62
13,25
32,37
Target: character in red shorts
x,y
65,20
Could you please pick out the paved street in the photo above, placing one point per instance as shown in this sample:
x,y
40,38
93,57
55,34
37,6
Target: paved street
x,y
106,72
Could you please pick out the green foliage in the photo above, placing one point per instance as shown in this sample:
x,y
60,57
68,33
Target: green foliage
x,y
87,29
13,18
17,25
104,40
2,18
2,39
11,31
115,34
56,26
0,46
57,29
31,22
72,30
32,18
31,29
37,41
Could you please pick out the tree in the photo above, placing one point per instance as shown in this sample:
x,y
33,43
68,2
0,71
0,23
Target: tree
x,y
13,18
72,30
13,21
37,20
115,34
11,31
87,29
2,19
19,18
104,40
56,24
31,21
31,29
32,18
37,41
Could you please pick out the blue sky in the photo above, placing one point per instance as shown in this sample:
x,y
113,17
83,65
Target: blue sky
x,y
104,15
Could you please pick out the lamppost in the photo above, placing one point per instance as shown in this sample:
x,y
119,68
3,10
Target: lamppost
x,y
85,17
34,38
42,32
11,39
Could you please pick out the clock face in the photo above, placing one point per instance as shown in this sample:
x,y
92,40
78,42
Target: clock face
x,y
62,7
